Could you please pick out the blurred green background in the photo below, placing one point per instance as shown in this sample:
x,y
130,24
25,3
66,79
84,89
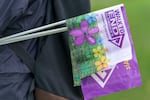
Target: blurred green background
x,y
138,12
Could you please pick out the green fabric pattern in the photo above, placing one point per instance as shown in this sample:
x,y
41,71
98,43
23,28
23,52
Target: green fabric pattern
x,y
86,46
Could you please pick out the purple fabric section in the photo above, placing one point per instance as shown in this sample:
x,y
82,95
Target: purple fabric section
x,y
121,78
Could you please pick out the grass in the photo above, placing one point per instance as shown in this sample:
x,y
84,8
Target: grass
x,y
139,20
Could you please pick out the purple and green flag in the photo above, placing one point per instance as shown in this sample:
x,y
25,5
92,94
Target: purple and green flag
x,y
102,52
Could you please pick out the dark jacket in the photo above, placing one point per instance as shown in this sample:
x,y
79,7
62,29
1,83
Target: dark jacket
x,y
53,74
16,82
53,67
